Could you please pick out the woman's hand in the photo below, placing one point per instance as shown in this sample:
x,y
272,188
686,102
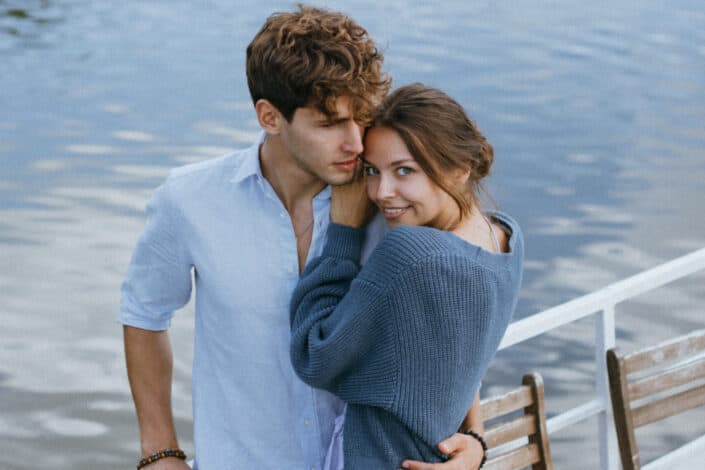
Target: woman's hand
x,y
466,452
349,203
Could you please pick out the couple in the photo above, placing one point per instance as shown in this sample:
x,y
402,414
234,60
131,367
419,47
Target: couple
x,y
404,340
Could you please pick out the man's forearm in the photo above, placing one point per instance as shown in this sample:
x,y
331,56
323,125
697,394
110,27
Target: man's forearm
x,y
474,420
149,368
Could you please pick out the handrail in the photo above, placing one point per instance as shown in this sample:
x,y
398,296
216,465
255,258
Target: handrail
x,y
601,302
589,304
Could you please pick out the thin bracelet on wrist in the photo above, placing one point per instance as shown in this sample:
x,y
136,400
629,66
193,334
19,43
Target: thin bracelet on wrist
x,y
482,442
178,453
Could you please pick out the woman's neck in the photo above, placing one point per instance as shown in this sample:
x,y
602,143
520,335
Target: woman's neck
x,y
477,229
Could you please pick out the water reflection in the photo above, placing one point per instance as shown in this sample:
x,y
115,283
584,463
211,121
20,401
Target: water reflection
x,y
23,21
134,136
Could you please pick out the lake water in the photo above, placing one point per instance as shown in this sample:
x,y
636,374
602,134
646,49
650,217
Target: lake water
x,y
596,111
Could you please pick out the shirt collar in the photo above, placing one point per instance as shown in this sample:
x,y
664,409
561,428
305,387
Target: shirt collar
x,y
249,163
324,195
250,166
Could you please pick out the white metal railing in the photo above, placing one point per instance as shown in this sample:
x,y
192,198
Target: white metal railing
x,y
602,303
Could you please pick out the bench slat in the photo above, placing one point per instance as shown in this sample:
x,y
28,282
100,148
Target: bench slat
x,y
668,406
503,404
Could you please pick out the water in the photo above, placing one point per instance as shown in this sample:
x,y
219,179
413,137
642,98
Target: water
x,y
595,110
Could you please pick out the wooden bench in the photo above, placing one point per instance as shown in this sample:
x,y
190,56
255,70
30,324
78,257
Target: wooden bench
x,y
663,380
527,431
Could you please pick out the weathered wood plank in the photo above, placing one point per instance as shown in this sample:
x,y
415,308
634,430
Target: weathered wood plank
x,y
511,401
667,379
665,352
668,406
628,452
538,410
516,459
508,431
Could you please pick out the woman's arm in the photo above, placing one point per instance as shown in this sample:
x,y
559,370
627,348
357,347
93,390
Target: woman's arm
x,y
339,339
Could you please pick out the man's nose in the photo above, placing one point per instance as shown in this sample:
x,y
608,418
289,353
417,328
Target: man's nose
x,y
353,138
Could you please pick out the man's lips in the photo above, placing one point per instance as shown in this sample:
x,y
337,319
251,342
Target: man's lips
x,y
347,165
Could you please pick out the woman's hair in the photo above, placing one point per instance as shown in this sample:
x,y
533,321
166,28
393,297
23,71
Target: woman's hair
x,y
441,138
310,57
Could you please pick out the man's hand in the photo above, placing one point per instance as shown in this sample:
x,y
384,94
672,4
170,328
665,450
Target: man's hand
x,y
465,451
168,463
349,204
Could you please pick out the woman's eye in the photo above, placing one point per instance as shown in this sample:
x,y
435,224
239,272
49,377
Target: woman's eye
x,y
370,170
404,170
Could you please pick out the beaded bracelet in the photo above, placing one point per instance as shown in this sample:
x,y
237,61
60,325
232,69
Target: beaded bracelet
x,y
482,442
178,453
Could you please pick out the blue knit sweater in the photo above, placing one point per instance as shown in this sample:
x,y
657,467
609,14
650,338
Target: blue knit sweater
x,y
405,340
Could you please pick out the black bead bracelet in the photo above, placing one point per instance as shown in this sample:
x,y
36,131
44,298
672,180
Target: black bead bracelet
x,y
178,453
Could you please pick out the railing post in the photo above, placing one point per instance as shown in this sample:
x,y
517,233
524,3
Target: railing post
x,y
607,437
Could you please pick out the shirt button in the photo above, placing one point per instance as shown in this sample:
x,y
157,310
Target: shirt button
x,y
290,270
307,422
282,214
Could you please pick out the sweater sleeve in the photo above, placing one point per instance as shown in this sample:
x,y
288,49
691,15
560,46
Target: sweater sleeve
x,y
337,342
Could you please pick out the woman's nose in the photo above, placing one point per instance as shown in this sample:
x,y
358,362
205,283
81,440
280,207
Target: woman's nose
x,y
385,188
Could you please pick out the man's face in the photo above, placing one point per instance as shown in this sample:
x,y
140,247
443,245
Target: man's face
x,y
324,147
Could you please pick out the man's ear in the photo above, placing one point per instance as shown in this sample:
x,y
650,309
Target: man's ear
x,y
268,116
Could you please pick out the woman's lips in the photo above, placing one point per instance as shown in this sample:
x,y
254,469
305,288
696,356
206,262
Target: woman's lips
x,y
393,212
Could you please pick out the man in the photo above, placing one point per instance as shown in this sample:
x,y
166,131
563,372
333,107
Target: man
x,y
245,225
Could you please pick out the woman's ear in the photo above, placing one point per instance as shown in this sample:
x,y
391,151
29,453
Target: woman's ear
x,y
268,116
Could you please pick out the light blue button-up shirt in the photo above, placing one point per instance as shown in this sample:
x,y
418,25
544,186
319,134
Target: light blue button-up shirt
x,y
222,220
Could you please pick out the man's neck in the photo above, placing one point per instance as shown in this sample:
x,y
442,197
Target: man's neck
x,y
292,184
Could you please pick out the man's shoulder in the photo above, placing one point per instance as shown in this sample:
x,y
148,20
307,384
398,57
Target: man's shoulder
x,y
211,174
224,165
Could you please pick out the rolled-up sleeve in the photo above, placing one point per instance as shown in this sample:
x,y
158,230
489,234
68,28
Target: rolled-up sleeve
x,y
158,279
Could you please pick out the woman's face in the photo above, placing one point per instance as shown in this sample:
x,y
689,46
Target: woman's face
x,y
404,194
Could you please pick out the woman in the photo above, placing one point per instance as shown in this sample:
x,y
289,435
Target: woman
x,y
406,339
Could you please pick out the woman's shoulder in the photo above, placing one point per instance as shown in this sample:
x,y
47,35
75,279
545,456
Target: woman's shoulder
x,y
414,242
404,248
509,224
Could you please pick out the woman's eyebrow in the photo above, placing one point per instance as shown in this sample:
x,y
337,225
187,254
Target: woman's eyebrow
x,y
394,163
403,160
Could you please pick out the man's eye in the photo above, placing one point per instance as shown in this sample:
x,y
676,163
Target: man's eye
x,y
370,170
404,170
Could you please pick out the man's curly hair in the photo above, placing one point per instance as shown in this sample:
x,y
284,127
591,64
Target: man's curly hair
x,y
312,56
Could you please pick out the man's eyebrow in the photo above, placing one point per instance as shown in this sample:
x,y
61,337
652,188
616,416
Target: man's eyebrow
x,y
334,119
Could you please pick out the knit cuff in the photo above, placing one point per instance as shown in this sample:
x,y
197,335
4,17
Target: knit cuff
x,y
344,242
